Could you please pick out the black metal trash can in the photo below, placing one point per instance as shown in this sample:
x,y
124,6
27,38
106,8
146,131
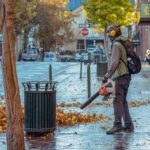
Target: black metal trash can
x,y
40,106
96,58
148,61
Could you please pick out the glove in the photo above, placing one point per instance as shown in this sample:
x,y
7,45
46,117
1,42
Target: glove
x,y
104,80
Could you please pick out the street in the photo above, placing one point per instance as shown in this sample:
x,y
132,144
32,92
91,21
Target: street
x,y
36,71
42,96
91,136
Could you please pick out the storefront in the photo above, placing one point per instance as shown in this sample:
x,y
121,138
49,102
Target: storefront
x,y
144,27
89,39
84,44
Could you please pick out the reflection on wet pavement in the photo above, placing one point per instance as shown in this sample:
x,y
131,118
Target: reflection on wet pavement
x,y
90,138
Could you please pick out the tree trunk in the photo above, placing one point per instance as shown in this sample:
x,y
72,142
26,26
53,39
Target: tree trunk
x,y
15,135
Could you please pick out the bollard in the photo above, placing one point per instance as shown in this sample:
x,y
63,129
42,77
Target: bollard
x,y
50,75
89,58
81,68
89,80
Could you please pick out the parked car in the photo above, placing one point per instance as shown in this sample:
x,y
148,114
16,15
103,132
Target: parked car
x,y
78,57
67,56
99,55
30,54
91,50
99,52
50,56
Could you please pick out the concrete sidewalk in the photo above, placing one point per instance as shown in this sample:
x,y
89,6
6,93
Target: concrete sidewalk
x,y
71,89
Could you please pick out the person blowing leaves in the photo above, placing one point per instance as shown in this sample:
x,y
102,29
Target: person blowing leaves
x,y
119,73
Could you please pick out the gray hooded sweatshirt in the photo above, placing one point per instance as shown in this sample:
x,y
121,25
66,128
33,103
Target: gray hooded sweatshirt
x,y
117,67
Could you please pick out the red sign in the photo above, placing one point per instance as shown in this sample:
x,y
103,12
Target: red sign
x,y
84,32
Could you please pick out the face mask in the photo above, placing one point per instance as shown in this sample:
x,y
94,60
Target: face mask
x,y
111,38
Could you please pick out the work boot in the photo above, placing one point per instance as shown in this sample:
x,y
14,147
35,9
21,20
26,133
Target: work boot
x,y
129,128
114,130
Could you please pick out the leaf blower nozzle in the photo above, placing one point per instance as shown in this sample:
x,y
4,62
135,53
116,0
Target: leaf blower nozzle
x,y
106,90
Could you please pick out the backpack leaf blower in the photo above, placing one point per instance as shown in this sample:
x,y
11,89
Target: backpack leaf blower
x,y
106,90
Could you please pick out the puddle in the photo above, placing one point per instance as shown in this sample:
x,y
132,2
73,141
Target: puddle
x,y
145,92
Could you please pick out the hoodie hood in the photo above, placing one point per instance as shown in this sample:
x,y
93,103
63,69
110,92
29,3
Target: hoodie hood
x,y
122,38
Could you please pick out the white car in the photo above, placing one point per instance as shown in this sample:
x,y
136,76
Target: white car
x,y
78,57
50,56
91,50
30,54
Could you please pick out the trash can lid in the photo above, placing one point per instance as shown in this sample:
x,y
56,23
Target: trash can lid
x,y
39,85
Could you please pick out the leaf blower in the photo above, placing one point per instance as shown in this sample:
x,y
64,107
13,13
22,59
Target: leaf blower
x,y
106,90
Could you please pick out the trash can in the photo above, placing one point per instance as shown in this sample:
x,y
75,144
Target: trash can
x,y
148,61
101,69
40,106
96,58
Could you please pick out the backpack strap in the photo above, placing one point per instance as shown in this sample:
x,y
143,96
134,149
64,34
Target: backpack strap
x,y
124,62
121,42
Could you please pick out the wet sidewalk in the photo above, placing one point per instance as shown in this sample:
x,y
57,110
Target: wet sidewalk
x,y
92,136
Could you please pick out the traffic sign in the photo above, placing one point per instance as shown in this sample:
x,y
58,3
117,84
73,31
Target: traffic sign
x,y
87,25
84,31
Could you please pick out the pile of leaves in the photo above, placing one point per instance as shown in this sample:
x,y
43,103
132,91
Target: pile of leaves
x,y
72,118
2,118
138,103
62,118
63,104
105,104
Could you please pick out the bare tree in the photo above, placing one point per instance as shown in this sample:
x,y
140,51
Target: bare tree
x,y
15,135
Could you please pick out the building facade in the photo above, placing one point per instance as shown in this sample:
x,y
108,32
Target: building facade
x,y
144,34
86,36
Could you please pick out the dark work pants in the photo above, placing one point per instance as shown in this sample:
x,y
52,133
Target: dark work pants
x,y
121,110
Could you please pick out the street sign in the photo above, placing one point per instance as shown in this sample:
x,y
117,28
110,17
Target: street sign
x,y
145,13
84,31
84,25
87,25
